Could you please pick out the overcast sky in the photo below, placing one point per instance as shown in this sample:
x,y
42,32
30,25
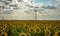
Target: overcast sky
x,y
48,10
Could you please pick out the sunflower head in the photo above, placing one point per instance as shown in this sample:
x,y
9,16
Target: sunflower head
x,y
4,26
46,25
4,34
31,29
22,34
28,34
57,33
1,32
37,29
47,32
26,26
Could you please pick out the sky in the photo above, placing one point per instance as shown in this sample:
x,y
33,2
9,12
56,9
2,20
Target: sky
x,y
48,10
41,1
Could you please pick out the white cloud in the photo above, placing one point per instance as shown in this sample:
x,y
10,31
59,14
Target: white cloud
x,y
18,12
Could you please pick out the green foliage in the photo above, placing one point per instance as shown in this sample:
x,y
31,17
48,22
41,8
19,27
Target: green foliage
x,y
16,29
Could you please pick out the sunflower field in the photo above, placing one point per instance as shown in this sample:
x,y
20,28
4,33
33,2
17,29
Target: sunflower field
x,y
30,29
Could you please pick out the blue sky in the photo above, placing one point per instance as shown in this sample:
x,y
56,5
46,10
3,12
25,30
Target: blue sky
x,y
38,1
41,1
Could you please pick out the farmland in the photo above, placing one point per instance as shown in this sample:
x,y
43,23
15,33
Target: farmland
x,y
29,27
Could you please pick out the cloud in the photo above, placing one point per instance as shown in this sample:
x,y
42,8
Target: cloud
x,y
49,7
52,4
25,10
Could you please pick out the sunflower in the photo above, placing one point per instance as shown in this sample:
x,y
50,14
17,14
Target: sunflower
x,y
22,34
47,25
35,25
46,28
14,26
1,32
34,29
38,25
19,25
42,26
57,33
28,34
37,29
58,27
1,25
4,26
26,26
47,32
1,28
30,29
29,26
13,30
5,34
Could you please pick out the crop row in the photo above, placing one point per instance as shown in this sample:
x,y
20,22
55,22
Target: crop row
x,y
29,29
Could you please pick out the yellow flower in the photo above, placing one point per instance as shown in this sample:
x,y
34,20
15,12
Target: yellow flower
x,y
34,29
26,26
29,26
4,26
1,28
30,29
5,34
14,26
56,33
47,32
46,25
1,32
50,26
36,25
42,26
46,28
37,29
28,34
22,34
19,25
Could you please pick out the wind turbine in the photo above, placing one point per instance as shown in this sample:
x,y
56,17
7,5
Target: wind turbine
x,y
39,10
